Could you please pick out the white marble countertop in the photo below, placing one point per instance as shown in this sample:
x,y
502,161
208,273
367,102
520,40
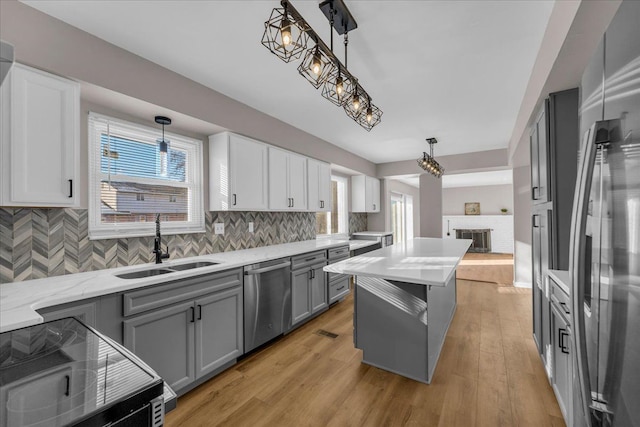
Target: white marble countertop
x,y
372,233
562,278
20,300
359,244
426,261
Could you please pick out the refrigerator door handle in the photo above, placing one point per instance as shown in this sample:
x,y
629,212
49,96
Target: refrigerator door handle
x,y
576,259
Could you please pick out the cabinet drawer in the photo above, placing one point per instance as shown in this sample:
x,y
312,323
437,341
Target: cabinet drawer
x,y
340,252
339,289
178,290
560,299
307,259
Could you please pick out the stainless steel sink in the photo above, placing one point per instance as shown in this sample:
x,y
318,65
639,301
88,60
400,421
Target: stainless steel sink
x,y
144,273
164,270
190,265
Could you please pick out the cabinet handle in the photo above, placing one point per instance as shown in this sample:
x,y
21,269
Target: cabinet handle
x,y
340,288
293,202
313,274
199,312
193,314
310,259
374,206
234,199
535,221
565,308
322,203
67,388
563,334
533,193
70,188
288,202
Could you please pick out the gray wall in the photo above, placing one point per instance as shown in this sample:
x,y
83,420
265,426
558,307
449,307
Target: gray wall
x,y
492,198
522,225
430,206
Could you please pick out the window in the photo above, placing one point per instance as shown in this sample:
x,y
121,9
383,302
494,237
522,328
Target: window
x,y
336,221
131,180
401,217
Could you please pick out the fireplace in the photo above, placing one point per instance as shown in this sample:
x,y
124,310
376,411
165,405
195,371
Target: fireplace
x,y
481,238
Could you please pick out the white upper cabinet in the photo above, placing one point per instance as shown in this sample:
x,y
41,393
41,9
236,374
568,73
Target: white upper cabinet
x,y
365,194
40,147
287,180
319,186
237,173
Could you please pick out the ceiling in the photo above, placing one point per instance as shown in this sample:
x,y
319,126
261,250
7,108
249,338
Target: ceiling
x,y
454,70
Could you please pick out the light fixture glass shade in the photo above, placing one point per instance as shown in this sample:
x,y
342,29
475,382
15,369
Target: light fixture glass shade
x,y
316,67
284,36
370,116
358,97
430,164
330,88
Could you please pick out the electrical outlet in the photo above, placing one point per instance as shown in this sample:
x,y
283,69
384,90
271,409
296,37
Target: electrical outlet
x,y
251,227
219,227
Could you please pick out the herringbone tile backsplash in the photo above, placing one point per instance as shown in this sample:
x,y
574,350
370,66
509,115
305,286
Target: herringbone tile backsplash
x,y
38,243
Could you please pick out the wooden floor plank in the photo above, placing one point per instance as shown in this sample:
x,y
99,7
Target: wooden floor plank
x,y
489,374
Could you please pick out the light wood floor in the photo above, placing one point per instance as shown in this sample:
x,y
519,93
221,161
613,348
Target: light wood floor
x,y
494,268
489,374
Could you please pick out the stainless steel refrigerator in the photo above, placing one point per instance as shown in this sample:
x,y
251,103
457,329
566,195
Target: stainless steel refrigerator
x,y
605,235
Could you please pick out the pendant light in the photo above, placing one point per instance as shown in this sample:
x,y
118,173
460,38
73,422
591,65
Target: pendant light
x,y
429,163
163,145
288,36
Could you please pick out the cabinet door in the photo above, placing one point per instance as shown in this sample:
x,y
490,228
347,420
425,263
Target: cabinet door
x,y
319,298
278,180
45,396
540,159
561,377
301,301
43,158
219,330
297,179
164,339
324,185
374,187
247,174
313,185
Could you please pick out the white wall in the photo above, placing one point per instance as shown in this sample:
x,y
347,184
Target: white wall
x,y
492,198
501,227
522,226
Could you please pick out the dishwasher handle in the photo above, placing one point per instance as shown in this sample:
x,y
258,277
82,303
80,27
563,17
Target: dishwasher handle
x,y
270,268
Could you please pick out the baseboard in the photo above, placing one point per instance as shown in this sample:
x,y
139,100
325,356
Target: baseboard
x,y
522,284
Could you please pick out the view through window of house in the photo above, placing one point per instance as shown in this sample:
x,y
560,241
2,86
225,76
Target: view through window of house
x,y
336,221
133,178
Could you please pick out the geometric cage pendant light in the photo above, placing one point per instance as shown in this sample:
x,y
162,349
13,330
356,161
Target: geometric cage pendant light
x,y
429,163
288,36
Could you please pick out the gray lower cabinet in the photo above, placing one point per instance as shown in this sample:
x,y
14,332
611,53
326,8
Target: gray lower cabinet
x,y
541,250
219,330
84,310
308,291
44,395
165,340
339,288
186,341
562,371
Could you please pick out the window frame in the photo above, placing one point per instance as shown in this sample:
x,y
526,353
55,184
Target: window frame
x,y
345,204
193,181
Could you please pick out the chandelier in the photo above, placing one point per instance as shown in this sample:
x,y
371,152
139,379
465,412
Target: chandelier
x,y
428,162
288,36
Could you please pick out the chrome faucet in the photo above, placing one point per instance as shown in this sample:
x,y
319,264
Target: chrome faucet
x,y
157,244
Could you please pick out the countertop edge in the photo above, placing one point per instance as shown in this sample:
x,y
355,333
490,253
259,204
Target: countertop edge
x,y
58,290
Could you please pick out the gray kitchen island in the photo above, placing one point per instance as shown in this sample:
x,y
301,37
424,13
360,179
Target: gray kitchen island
x,y
404,301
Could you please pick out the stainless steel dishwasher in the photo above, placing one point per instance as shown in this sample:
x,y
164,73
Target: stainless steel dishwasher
x,y
267,301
